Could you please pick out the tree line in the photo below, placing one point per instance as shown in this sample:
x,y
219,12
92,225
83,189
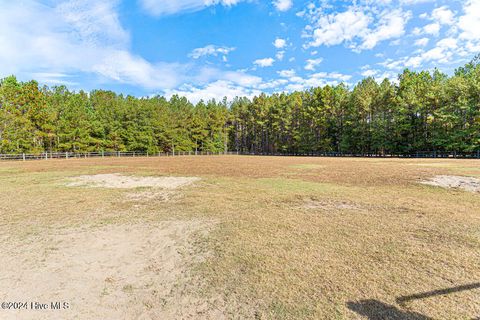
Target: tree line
x,y
422,111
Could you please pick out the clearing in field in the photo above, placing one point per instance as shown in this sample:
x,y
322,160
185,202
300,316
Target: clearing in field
x,y
464,183
241,237
119,181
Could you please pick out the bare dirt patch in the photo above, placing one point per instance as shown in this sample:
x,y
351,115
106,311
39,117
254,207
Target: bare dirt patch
x,y
455,182
111,272
161,189
118,181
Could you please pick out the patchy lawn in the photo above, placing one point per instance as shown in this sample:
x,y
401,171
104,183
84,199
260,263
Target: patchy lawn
x,y
253,237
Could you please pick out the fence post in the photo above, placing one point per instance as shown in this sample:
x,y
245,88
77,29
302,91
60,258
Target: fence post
x,y
24,157
46,155
103,153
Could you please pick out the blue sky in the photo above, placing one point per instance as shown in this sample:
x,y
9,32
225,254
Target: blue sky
x,y
213,48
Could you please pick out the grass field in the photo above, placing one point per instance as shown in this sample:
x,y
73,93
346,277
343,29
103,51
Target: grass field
x,y
255,238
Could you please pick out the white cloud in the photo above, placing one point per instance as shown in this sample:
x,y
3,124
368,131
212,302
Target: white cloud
x,y
280,55
232,88
94,21
216,90
276,84
469,23
240,78
311,64
216,84
432,29
316,80
391,25
369,73
283,5
51,78
168,7
266,62
210,50
448,43
443,15
413,2
332,75
333,29
442,54
423,42
280,43
360,27
286,73
379,75
122,66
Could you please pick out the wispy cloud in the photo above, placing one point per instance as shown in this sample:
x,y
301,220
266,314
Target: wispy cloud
x,y
283,5
168,7
266,62
85,37
210,50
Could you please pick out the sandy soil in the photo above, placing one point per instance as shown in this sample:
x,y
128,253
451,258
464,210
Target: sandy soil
x,y
456,182
161,189
110,272
118,181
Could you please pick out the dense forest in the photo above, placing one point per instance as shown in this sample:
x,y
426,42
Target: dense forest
x,y
422,111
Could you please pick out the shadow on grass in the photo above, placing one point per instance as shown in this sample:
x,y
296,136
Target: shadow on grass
x,y
404,299
377,310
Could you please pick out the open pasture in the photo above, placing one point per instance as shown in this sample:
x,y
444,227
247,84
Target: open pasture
x,y
238,237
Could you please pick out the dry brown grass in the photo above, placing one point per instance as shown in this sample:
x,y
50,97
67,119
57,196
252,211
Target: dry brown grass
x,y
295,238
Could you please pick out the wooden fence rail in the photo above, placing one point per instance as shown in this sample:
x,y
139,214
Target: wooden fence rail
x,y
132,154
102,154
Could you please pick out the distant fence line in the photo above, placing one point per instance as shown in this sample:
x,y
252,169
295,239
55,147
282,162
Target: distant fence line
x,y
102,154
132,154
420,154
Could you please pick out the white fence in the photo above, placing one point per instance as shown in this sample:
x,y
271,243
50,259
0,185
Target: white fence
x,y
103,154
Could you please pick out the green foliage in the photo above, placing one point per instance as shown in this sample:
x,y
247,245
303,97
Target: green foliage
x,y
424,111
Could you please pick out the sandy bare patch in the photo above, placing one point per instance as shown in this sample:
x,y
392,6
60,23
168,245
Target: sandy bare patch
x,y
118,181
111,272
455,182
